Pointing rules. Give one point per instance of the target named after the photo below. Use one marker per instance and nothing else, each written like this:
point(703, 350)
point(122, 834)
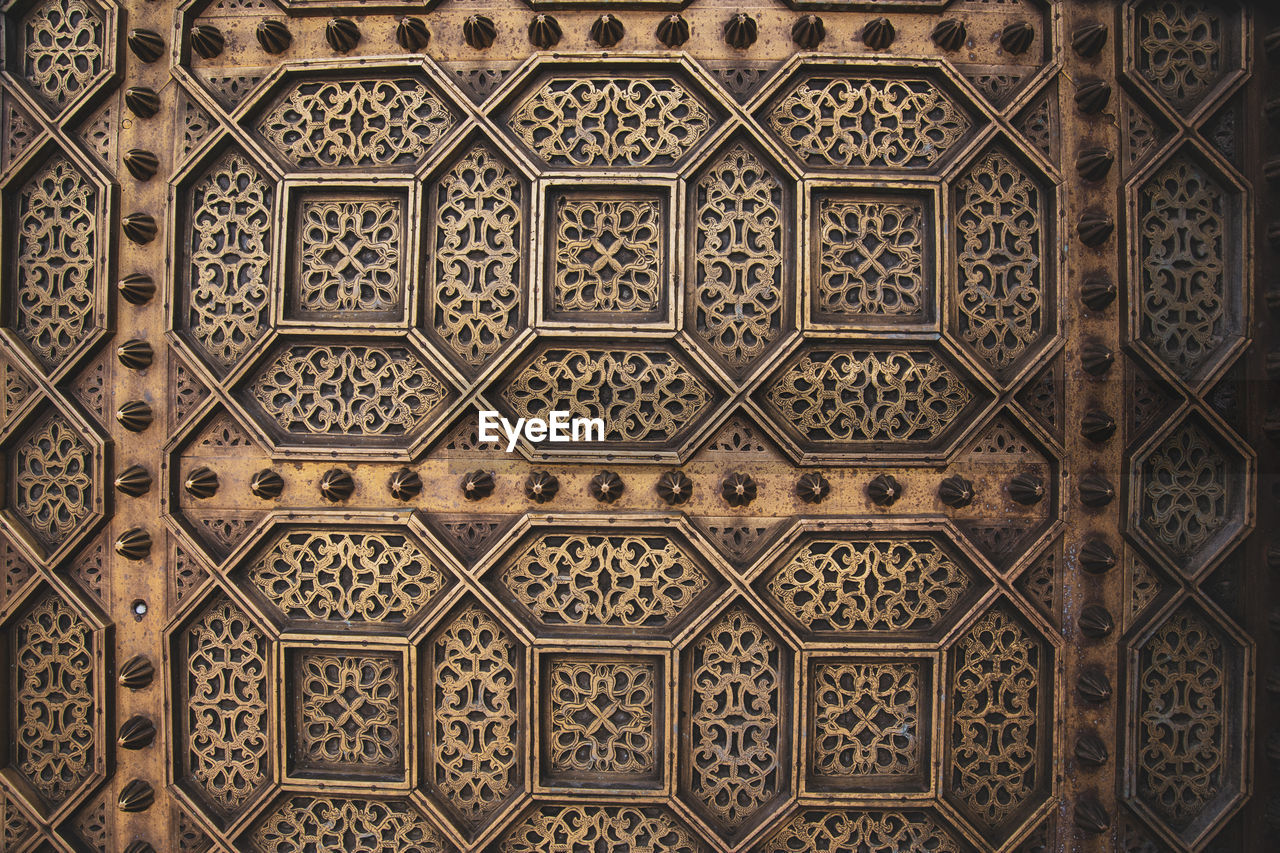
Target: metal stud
point(136, 796)
point(1091, 817)
point(878, 34)
point(1017, 38)
point(201, 483)
point(134, 481)
point(1097, 557)
point(1096, 621)
point(812, 488)
point(741, 31)
point(137, 732)
point(134, 415)
point(142, 164)
point(342, 34)
point(1094, 686)
point(1091, 750)
point(477, 485)
point(808, 32)
point(1092, 96)
point(884, 490)
point(140, 228)
point(337, 485)
point(147, 45)
point(541, 486)
point(135, 354)
point(1095, 227)
point(266, 484)
point(134, 544)
point(606, 487)
point(738, 489)
point(1096, 490)
point(674, 487)
point(1097, 426)
point(207, 40)
point(1088, 41)
point(1026, 489)
point(137, 288)
point(544, 32)
point(1098, 291)
point(950, 34)
point(673, 31)
point(405, 484)
point(1096, 358)
point(479, 31)
point(273, 36)
point(142, 101)
point(412, 34)
point(1093, 164)
point(137, 673)
point(956, 492)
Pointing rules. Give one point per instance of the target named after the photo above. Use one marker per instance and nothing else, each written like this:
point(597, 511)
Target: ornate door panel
point(920, 518)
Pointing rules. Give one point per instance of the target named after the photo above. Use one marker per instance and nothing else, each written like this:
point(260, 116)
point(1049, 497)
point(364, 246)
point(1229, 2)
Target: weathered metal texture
point(914, 327)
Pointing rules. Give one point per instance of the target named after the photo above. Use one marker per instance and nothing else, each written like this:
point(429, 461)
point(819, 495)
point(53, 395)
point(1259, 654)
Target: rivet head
point(738, 489)
point(541, 486)
point(607, 31)
point(808, 32)
point(142, 164)
point(673, 31)
point(1017, 38)
point(201, 483)
point(137, 289)
point(337, 485)
point(135, 354)
point(147, 45)
point(884, 490)
point(207, 40)
point(1026, 489)
point(412, 34)
point(1097, 557)
point(134, 544)
point(274, 36)
point(1097, 426)
point(1094, 686)
point(134, 481)
point(1093, 164)
point(1096, 358)
point(606, 487)
point(137, 732)
point(136, 796)
point(134, 415)
point(266, 484)
point(1091, 750)
point(674, 487)
point(140, 228)
point(1096, 621)
point(342, 34)
point(544, 32)
point(956, 492)
point(950, 34)
point(405, 484)
point(142, 101)
point(812, 488)
point(1091, 817)
point(1092, 96)
point(1098, 291)
point(878, 34)
point(740, 31)
point(137, 673)
point(1095, 228)
point(479, 31)
point(477, 485)
point(1087, 41)
point(1096, 490)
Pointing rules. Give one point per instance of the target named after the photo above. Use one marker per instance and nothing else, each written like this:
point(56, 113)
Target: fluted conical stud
point(342, 34)
point(137, 732)
point(738, 489)
point(1096, 358)
point(1095, 227)
point(412, 34)
point(1026, 489)
point(1097, 557)
point(135, 354)
point(607, 30)
point(740, 31)
point(141, 163)
point(673, 30)
point(1093, 164)
point(544, 32)
point(201, 483)
point(1094, 686)
point(1017, 38)
point(1091, 817)
point(1091, 750)
point(477, 485)
point(140, 228)
point(1096, 621)
point(606, 487)
point(884, 490)
point(405, 484)
point(1096, 490)
point(266, 484)
point(812, 488)
point(274, 36)
point(137, 673)
point(134, 544)
point(134, 481)
point(137, 289)
point(1092, 96)
point(1097, 292)
point(337, 485)
point(1097, 426)
point(956, 492)
point(950, 34)
point(147, 45)
point(541, 486)
point(808, 32)
point(878, 34)
point(139, 846)
point(134, 415)
point(142, 101)
point(207, 40)
point(674, 487)
point(1088, 41)
point(136, 796)
point(479, 31)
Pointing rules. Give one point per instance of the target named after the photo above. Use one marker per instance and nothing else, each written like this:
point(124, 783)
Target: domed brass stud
point(541, 486)
point(1092, 96)
point(606, 487)
point(673, 31)
point(1090, 816)
point(147, 45)
point(1098, 291)
point(1026, 489)
point(134, 415)
point(140, 228)
point(950, 34)
point(1097, 426)
point(479, 31)
point(337, 485)
point(201, 483)
point(956, 492)
point(137, 732)
point(1087, 41)
point(607, 31)
point(142, 164)
point(1096, 358)
point(812, 488)
point(405, 484)
point(878, 34)
point(342, 34)
point(740, 31)
point(273, 36)
point(477, 485)
point(412, 34)
point(134, 544)
point(1094, 686)
point(738, 489)
point(136, 796)
point(137, 288)
point(135, 354)
point(884, 490)
point(137, 673)
point(808, 32)
point(134, 481)
point(1017, 38)
point(1096, 621)
point(674, 487)
point(207, 40)
point(143, 102)
point(1094, 163)
point(1096, 490)
point(1091, 750)
point(544, 32)
point(1097, 557)
point(266, 484)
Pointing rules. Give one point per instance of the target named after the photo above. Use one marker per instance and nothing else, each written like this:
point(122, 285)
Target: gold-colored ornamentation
point(838, 396)
point(475, 751)
point(55, 245)
point(225, 703)
point(350, 710)
point(999, 246)
point(1182, 718)
point(62, 49)
point(1184, 486)
point(566, 829)
point(610, 122)
point(228, 290)
point(866, 719)
point(602, 716)
point(342, 578)
point(387, 391)
point(357, 123)
point(595, 580)
point(996, 732)
point(653, 396)
point(54, 719)
point(351, 255)
point(608, 256)
point(1182, 230)
point(868, 122)
point(736, 719)
point(479, 220)
point(814, 831)
point(871, 260)
point(15, 827)
point(738, 278)
point(52, 480)
point(301, 824)
point(1180, 50)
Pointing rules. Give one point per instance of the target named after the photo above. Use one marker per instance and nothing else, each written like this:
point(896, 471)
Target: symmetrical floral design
point(609, 256)
point(352, 259)
point(52, 480)
point(870, 261)
point(866, 720)
point(300, 824)
point(62, 49)
point(867, 831)
point(1180, 49)
point(602, 716)
point(638, 829)
point(350, 712)
point(1185, 491)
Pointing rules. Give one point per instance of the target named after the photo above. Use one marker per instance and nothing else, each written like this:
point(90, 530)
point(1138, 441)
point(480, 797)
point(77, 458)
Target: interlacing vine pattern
point(53, 703)
point(642, 395)
point(996, 733)
point(52, 480)
point(866, 831)
point(350, 711)
point(609, 256)
point(866, 720)
point(341, 578)
point(306, 824)
point(1182, 718)
point(1180, 50)
point(737, 697)
point(602, 716)
point(1182, 233)
point(1185, 491)
point(228, 290)
point(61, 49)
point(738, 275)
point(356, 123)
point(14, 825)
point(225, 701)
point(871, 260)
point(476, 272)
point(351, 255)
point(999, 246)
point(568, 829)
point(57, 238)
point(839, 122)
point(348, 390)
point(595, 580)
point(869, 585)
point(571, 122)
point(841, 396)
point(475, 750)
